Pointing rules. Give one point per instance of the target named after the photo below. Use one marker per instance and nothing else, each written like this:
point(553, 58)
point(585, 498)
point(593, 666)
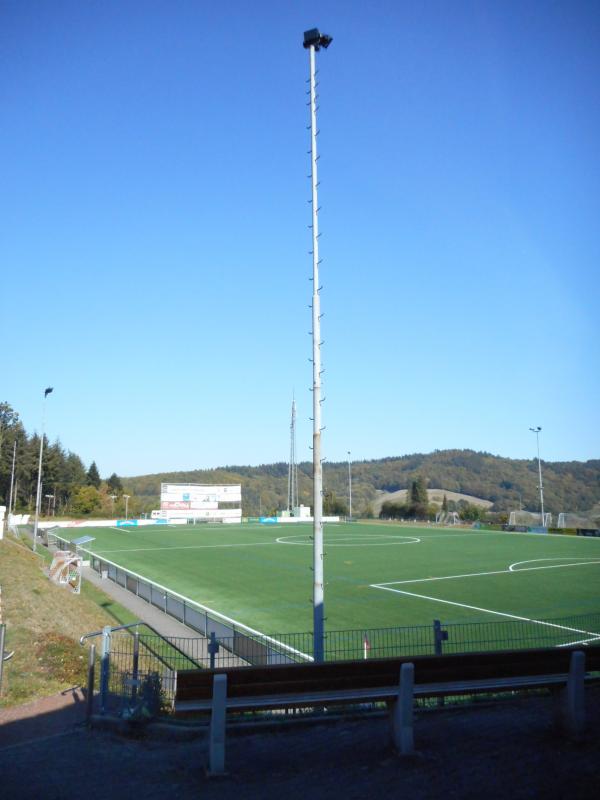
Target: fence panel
point(195, 619)
point(239, 644)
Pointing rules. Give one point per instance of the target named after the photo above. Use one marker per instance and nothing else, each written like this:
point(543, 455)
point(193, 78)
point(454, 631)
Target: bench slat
point(373, 673)
point(373, 694)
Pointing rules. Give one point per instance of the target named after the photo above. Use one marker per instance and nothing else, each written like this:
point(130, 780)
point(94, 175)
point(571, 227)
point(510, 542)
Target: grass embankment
point(43, 625)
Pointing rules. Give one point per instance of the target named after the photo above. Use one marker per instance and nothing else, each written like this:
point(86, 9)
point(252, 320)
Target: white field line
point(348, 541)
point(580, 641)
point(183, 547)
point(494, 572)
point(158, 529)
point(426, 536)
point(199, 605)
point(486, 610)
point(555, 558)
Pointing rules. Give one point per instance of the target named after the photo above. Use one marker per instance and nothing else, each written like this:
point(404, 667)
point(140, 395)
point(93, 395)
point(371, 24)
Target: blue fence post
point(439, 636)
point(135, 670)
point(104, 668)
point(90, 682)
point(213, 648)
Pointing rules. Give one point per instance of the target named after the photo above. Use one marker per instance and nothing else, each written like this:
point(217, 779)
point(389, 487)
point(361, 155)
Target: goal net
point(530, 519)
point(568, 520)
point(447, 518)
point(65, 569)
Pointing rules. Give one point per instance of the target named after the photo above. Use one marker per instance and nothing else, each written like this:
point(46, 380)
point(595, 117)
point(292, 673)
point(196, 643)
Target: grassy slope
point(43, 626)
point(568, 486)
point(243, 573)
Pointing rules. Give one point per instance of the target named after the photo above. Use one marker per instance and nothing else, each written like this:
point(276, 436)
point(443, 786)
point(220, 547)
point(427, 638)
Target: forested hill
point(572, 486)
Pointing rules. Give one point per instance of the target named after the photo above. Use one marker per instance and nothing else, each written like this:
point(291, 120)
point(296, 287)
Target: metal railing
point(241, 641)
point(240, 644)
point(138, 666)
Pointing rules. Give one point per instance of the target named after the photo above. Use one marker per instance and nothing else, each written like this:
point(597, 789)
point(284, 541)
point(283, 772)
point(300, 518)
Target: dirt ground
point(508, 750)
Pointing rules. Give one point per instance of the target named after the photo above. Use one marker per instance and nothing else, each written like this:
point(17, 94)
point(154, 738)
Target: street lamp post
point(38, 496)
point(313, 41)
point(349, 486)
point(12, 480)
point(113, 497)
point(126, 498)
point(537, 430)
point(49, 498)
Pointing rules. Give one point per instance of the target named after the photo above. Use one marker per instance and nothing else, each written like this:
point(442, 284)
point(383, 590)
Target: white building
point(200, 502)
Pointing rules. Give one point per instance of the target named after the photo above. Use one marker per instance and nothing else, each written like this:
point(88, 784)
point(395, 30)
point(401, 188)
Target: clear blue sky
point(154, 241)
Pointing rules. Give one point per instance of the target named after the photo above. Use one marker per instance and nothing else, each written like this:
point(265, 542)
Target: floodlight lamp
point(314, 38)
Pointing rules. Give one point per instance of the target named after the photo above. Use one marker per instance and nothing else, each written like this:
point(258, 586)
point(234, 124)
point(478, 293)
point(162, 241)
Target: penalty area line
point(485, 610)
point(509, 571)
point(580, 641)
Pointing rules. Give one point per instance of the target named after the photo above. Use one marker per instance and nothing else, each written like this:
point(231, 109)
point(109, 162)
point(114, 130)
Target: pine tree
point(93, 476)
point(114, 483)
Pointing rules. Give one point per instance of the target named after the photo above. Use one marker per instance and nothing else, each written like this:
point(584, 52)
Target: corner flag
point(366, 646)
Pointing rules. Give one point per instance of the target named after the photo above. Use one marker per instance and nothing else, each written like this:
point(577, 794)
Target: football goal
point(568, 520)
point(530, 519)
point(66, 569)
point(447, 518)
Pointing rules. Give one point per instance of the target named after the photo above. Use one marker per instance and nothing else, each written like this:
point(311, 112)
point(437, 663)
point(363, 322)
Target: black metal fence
point(137, 667)
point(240, 644)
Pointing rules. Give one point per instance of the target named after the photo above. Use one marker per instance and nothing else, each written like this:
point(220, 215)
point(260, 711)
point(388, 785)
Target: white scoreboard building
point(196, 502)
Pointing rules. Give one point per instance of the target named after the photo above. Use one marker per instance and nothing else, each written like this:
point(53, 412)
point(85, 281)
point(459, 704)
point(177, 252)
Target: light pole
point(313, 41)
point(38, 496)
point(113, 497)
point(12, 480)
point(126, 498)
point(349, 486)
point(537, 430)
point(48, 497)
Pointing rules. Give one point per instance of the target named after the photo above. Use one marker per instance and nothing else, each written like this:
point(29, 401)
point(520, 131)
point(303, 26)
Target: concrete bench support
point(216, 736)
point(402, 712)
point(574, 712)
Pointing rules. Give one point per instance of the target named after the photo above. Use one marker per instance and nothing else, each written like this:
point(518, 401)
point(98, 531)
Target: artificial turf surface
point(377, 575)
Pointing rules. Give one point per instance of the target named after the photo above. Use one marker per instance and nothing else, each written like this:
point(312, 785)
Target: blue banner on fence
point(121, 523)
point(268, 520)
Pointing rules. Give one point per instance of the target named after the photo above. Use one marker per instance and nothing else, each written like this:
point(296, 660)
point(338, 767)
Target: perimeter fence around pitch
point(137, 667)
point(139, 657)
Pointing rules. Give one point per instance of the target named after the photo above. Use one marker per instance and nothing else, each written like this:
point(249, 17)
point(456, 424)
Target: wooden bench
point(396, 681)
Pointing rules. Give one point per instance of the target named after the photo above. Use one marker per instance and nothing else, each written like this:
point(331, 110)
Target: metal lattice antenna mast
point(293, 468)
point(313, 41)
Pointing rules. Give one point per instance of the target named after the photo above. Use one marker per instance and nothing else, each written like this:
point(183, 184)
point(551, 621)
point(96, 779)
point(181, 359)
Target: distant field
point(434, 495)
point(377, 575)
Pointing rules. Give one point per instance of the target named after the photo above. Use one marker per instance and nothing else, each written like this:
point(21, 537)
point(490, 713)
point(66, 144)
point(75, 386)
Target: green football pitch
point(377, 575)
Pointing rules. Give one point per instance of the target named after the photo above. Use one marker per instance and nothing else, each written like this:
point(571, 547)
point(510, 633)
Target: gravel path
point(509, 750)
point(164, 624)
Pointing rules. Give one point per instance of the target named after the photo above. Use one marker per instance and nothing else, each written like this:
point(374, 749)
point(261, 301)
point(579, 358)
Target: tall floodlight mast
point(293, 468)
point(537, 430)
point(349, 486)
point(313, 41)
point(12, 479)
point(38, 496)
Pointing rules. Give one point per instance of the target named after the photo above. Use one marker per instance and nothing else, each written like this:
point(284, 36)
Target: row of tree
point(507, 483)
point(67, 486)
point(418, 507)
